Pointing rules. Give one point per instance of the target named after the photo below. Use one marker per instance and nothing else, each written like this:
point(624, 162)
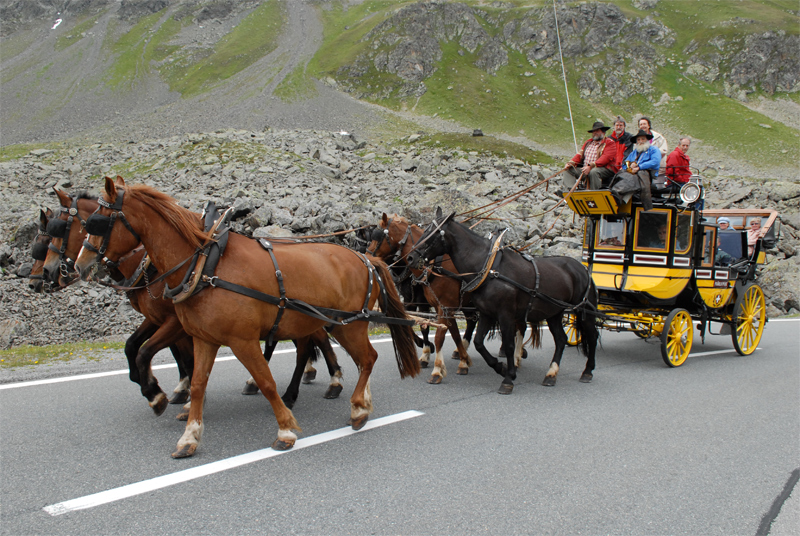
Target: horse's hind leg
point(304, 350)
point(588, 345)
point(426, 346)
point(355, 339)
point(560, 338)
point(468, 331)
point(464, 360)
point(439, 368)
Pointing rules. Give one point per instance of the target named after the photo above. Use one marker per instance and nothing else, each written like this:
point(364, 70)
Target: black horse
point(505, 287)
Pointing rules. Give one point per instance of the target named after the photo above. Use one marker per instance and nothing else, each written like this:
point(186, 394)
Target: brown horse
point(324, 275)
point(442, 293)
point(39, 248)
point(161, 328)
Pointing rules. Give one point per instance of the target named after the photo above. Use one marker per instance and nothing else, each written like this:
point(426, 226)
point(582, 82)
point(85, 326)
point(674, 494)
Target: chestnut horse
point(39, 248)
point(161, 328)
point(324, 275)
point(395, 237)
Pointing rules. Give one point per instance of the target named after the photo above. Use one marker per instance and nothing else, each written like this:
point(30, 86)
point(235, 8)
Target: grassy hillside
point(530, 100)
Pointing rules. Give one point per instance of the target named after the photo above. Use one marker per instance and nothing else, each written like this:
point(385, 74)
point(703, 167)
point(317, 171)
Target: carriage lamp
point(690, 192)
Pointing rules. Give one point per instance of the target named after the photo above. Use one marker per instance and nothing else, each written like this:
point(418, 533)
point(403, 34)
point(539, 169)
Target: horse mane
point(182, 220)
point(85, 194)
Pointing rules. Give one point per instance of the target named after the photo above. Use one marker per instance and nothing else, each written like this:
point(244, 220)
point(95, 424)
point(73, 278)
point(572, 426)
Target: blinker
point(97, 224)
point(57, 228)
point(39, 251)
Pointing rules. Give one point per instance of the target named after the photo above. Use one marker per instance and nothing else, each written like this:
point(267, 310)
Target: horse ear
point(48, 213)
point(438, 213)
point(43, 217)
point(111, 190)
point(449, 217)
point(63, 197)
point(385, 218)
point(120, 181)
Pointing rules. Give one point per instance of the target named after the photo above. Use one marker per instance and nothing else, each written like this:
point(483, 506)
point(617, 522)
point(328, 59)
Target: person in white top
point(658, 140)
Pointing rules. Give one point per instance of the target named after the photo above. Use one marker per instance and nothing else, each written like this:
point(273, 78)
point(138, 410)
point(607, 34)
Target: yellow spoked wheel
point(676, 338)
point(571, 329)
point(749, 317)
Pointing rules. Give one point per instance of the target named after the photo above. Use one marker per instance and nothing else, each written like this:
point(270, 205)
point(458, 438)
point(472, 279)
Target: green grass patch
point(25, 355)
point(296, 86)
point(255, 37)
point(488, 145)
point(131, 61)
point(76, 33)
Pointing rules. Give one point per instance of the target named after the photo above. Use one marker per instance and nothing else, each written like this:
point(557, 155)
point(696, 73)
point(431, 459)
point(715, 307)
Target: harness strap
point(282, 300)
point(478, 281)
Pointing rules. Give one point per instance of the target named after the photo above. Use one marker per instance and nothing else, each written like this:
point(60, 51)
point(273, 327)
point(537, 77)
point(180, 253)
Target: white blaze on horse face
point(518, 347)
point(80, 253)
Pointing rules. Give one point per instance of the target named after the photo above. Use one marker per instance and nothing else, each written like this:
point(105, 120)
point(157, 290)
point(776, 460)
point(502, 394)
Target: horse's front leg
point(484, 323)
point(183, 352)
point(468, 331)
point(250, 387)
point(204, 354)
point(354, 338)
point(464, 360)
point(322, 341)
point(166, 335)
point(560, 338)
point(509, 334)
point(439, 368)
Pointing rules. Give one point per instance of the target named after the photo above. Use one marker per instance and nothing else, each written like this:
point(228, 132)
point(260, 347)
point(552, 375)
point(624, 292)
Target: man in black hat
point(595, 160)
point(640, 166)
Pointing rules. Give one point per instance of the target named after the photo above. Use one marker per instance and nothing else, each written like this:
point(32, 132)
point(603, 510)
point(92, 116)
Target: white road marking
point(138, 488)
point(125, 371)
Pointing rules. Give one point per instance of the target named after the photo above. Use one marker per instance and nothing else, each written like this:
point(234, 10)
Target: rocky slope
point(295, 182)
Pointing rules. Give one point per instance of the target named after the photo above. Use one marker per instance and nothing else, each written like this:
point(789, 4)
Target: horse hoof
point(185, 452)
point(250, 389)
point(524, 354)
point(160, 406)
point(333, 392)
point(183, 416)
point(505, 388)
point(359, 423)
point(180, 397)
point(549, 381)
point(462, 371)
point(309, 376)
point(586, 378)
point(279, 444)
point(423, 364)
point(435, 380)
point(455, 355)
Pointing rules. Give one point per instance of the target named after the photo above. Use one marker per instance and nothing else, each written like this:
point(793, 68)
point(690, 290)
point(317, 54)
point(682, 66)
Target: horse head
point(39, 248)
point(432, 242)
point(389, 236)
point(66, 230)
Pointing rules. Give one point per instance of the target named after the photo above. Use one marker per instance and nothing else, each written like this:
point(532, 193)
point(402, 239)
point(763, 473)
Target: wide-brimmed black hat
point(642, 133)
point(600, 125)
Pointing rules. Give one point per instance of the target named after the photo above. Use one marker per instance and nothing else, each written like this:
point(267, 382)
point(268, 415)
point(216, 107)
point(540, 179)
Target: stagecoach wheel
point(676, 338)
point(749, 317)
point(571, 329)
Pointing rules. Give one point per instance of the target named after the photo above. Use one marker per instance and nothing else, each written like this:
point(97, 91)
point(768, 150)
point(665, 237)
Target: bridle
point(60, 228)
point(397, 248)
point(101, 225)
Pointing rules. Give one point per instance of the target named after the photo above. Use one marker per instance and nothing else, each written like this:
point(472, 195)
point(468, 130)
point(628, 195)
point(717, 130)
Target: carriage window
point(610, 233)
point(709, 245)
point(652, 230)
point(683, 234)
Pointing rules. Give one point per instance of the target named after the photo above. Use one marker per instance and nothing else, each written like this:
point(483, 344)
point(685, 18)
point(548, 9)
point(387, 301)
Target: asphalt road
point(706, 448)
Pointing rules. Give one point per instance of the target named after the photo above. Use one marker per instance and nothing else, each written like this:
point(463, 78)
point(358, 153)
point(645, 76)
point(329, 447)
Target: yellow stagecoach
point(660, 271)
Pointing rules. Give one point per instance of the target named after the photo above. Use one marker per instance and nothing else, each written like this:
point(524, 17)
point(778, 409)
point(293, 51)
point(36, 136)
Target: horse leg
point(166, 334)
point(589, 336)
point(309, 373)
point(304, 351)
point(560, 338)
point(439, 368)
point(519, 344)
point(132, 345)
point(480, 335)
point(204, 354)
point(323, 342)
point(183, 351)
point(249, 354)
point(354, 338)
point(509, 334)
point(426, 345)
point(464, 360)
point(471, 322)
point(250, 387)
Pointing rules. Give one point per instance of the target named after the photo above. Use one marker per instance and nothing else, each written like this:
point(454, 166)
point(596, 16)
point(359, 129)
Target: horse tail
point(586, 320)
point(536, 335)
point(405, 351)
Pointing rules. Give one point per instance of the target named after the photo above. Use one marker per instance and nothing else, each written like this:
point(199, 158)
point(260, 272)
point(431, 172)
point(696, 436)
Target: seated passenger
point(724, 223)
point(595, 159)
point(623, 140)
point(753, 234)
point(657, 139)
point(640, 166)
point(678, 172)
point(659, 241)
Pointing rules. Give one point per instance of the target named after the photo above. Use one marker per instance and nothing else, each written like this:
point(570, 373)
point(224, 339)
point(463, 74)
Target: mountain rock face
point(617, 55)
